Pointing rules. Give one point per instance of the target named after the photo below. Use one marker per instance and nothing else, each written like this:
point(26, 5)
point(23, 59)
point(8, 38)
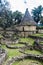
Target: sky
point(21, 6)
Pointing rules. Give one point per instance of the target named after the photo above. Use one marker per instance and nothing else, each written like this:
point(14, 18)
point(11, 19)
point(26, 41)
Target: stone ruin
point(3, 53)
point(38, 46)
point(3, 56)
point(24, 56)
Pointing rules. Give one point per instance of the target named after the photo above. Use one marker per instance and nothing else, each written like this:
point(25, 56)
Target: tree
point(5, 15)
point(37, 13)
point(41, 21)
point(17, 16)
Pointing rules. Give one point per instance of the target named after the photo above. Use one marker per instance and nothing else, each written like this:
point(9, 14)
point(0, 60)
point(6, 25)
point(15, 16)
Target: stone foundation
point(3, 56)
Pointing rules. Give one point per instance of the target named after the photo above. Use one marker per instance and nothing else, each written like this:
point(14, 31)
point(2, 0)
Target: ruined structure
point(27, 25)
point(3, 56)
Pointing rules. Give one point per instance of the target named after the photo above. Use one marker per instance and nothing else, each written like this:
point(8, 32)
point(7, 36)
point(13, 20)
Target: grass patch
point(18, 45)
point(11, 52)
point(30, 41)
point(41, 42)
point(15, 52)
point(33, 52)
point(27, 62)
point(38, 35)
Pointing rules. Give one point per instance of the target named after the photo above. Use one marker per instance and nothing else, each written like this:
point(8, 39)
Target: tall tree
point(37, 13)
point(5, 14)
point(17, 16)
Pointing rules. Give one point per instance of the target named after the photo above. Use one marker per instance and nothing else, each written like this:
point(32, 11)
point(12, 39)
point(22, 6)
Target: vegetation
point(30, 41)
point(37, 14)
point(17, 16)
point(41, 42)
point(18, 45)
point(41, 20)
point(15, 52)
point(33, 52)
point(5, 15)
point(39, 27)
point(8, 19)
point(11, 52)
point(27, 62)
point(38, 35)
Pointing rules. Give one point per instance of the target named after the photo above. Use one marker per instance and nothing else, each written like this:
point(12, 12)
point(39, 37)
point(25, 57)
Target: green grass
point(18, 45)
point(39, 35)
point(33, 52)
point(15, 52)
point(30, 41)
point(41, 42)
point(11, 52)
point(27, 62)
point(1, 36)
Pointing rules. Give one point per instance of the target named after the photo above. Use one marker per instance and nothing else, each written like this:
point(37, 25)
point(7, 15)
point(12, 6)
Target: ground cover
point(41, 42)
point(15, 52)
point(27, 62)
point(18, 45)
point(30, 41)
point(38, 35)
point(11, 52)
point(35, 52)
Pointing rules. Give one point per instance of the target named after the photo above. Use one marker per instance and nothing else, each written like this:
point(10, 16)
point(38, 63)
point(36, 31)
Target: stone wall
point(29, 28)
point(24, 56)
point(38, 46)
point(20, 30)
point(40, 31)
point(26, 28)
point(3, 57)
point(36, 37)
